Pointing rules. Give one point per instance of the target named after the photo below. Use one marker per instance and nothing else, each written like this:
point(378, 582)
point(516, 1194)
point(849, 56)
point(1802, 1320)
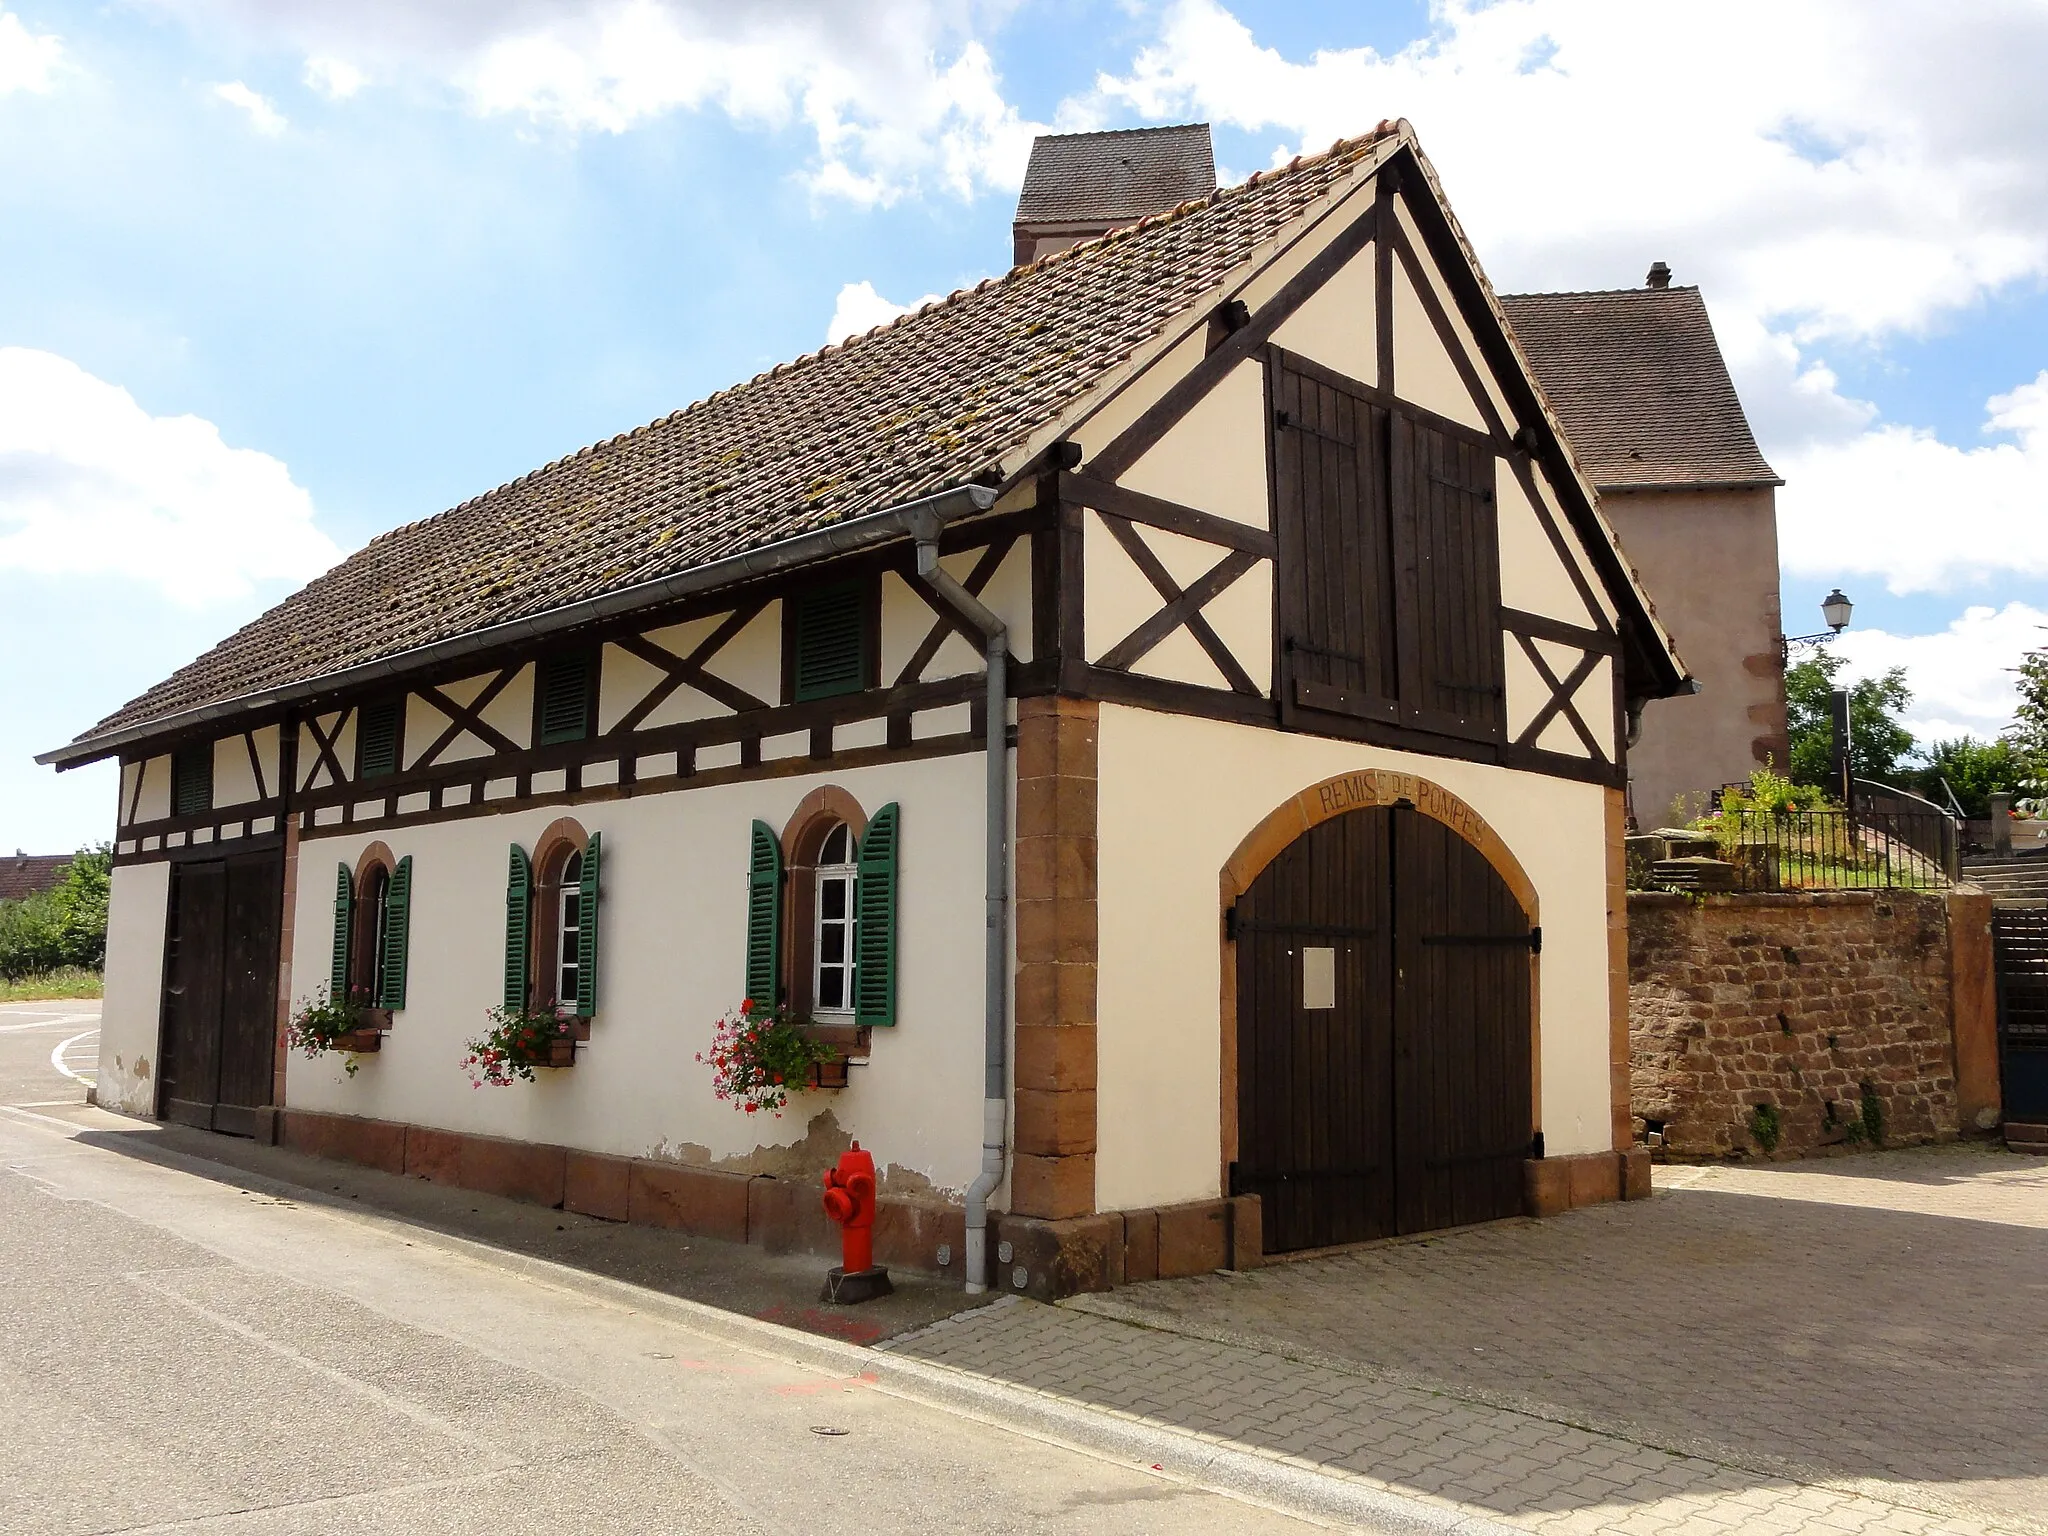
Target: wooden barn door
point(1316, 1037)
point(1383, 1051)
point(1462, 1068)
point(220, 993)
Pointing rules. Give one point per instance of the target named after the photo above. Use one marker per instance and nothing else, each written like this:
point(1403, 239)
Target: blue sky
point(278, 274)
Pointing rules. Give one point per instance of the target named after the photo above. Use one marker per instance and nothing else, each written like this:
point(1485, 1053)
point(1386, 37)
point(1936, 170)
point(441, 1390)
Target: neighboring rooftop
point(1638, 380)
point(1079, 185)
point(929, 401)
point(1123, 174)
point(25, 874)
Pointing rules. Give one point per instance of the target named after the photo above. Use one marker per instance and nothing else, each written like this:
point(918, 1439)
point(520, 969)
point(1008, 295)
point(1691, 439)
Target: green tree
point(1878, 742)
point(2029, 733)
point(65, 925)
point(1975, 770)
point(82, 898)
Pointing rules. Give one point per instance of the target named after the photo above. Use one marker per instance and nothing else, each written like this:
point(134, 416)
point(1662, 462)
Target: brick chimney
point(1080, 185)
point(1660, 275)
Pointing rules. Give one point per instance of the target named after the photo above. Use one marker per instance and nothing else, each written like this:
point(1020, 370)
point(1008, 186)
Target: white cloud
point(861, 309)
point(898, 95)
point(1898, 503)
point(336, 79)
point(263, 116)
point(1855, 166)
point(93, 485)
point(28, 60)
point(1961, 677)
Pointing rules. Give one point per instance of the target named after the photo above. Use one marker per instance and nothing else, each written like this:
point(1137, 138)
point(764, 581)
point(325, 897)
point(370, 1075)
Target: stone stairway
point(2009, 880)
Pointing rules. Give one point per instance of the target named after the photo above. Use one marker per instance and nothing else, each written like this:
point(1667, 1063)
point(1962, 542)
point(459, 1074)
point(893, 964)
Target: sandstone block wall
point(1805, 1003)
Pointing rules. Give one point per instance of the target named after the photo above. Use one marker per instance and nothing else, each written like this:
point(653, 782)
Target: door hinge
point(1282, 420)
point(1536, 1146)
point(1536, 940)
point(1233, 1180)
point(1230, 932)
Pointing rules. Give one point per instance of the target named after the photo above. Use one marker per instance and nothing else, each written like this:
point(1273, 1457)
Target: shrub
point(756, 1062)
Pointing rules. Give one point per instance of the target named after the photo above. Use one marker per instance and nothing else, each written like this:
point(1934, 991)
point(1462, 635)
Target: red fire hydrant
point(850, 1201)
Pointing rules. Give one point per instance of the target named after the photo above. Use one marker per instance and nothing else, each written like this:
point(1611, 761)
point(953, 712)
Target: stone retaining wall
point(1835, 1012)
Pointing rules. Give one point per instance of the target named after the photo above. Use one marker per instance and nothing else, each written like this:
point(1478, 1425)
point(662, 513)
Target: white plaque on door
point(1319, 978)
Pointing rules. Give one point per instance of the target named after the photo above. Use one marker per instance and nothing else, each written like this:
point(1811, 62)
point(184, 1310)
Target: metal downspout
point(995, 1019)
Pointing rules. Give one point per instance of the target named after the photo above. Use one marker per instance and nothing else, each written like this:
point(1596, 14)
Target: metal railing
point(1870, 848)
point(1934, 832)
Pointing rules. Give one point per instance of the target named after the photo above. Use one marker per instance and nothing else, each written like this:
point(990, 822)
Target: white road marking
point(57, 1057)
point(54, 1021)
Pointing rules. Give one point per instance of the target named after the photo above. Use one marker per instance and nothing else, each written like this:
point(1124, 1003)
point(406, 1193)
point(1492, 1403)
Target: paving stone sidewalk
point(1849, 1345)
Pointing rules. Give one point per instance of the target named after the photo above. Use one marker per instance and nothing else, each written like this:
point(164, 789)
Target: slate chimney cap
point(1660, 275)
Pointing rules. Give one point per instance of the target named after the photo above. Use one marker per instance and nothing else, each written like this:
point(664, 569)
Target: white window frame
point(568, 930)
point(842, 871)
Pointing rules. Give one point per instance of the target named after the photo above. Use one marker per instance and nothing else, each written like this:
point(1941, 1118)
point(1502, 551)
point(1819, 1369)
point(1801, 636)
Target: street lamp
point(1835, 610)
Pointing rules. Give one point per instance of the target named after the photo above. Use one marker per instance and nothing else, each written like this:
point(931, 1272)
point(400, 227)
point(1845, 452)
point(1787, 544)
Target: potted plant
point(519, 1040)
point(333, 1024)
point(758, 1061)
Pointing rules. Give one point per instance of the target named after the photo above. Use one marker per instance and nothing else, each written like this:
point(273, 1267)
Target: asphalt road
point(187, 1348)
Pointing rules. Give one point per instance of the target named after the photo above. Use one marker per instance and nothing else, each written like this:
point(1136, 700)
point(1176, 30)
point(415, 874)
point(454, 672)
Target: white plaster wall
point(234, 781)
point(907, 618)
point(155, 803)
point(1338, 325)
point(1452, 312)
point(134, 988)
point(1214, 458)
point(1176, 796)
point(1532, 577)
point(510, 713)
point(1423, 370)
point(672, 940)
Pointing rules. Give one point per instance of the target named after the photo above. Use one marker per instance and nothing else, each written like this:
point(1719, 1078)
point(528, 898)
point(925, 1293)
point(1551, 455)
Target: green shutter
point(192, 780)
point(874, 982)
point(831, 642)
point(397, 922)
point(518, 926)
point(565, 698)
point(764, 919)
point(344, 922)
point(586, 931)
point(377, 732)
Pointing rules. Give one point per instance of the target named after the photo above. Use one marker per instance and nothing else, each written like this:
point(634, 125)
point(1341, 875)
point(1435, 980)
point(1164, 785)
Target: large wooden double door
point(1383, 1034)
point(220, 993)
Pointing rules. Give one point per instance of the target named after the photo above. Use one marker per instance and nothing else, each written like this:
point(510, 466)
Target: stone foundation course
point(1767, 1025)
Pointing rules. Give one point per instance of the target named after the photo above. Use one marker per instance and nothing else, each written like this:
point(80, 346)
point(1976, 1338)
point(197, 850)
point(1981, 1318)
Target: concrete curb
point(1288, 1484)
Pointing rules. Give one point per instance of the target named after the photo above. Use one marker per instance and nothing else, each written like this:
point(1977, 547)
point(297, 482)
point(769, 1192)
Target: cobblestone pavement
point(1856, 1344)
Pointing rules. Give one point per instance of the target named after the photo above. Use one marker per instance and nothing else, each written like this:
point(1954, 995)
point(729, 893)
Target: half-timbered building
point(1213, 612)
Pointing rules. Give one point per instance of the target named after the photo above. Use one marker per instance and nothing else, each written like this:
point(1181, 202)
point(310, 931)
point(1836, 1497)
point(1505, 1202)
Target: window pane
point(832, 944)
point(832, 989)
point(832, 900)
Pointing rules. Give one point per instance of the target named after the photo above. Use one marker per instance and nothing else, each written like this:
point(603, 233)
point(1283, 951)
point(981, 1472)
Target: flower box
point(358, 1042)
point(562, 1049)
point(826, 1075)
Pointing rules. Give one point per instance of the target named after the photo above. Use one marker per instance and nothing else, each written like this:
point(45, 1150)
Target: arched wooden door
point(1383, 1034)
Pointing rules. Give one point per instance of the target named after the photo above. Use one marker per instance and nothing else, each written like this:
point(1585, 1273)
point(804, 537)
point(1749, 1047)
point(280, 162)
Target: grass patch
point(65, 982)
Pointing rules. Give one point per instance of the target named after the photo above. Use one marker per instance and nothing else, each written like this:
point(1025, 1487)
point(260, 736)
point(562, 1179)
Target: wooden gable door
point(220, 992)
point(1389, 563)
point(1384, 1060)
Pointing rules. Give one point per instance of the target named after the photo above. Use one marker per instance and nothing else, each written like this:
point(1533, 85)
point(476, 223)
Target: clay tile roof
point(1638, 380)
point(24, 874)
point(924, 403)
point(1085, 178)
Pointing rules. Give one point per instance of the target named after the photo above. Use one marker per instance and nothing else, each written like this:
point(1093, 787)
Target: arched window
point(568, 930)
point(551, 922)
point(835, 932)
point(372, 907)
point(373, 931)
